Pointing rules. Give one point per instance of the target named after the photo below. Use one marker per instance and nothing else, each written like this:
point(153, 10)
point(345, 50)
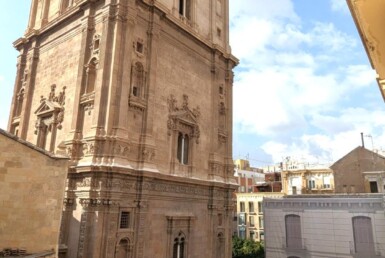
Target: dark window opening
point(184, 8)
point(181, 7)
point(183, 148)
point(220, 90)
point(124, 219)
point(242, 206)
point(135, 91)
point(373, 187)
point(139, 47)
point(219, 32)
point(178, 247)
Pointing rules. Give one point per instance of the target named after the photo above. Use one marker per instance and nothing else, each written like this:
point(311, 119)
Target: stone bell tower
point(139, 94)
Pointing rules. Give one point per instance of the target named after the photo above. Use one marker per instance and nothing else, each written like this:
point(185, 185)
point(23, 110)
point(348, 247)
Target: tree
point(246, 248)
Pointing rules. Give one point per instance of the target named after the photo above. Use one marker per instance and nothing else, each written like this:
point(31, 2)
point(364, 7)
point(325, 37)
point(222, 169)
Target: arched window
point(123, 249)
point(220, 252)
point(90, 76)
point(183, 148)
point(137, 80)
point(293, 231)
point(363, 235)
point(179, 246)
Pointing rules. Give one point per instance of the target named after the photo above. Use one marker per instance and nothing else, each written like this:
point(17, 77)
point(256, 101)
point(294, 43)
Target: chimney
point(362, 140)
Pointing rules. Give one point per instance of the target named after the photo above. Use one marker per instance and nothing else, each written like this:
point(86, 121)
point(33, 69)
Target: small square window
point(124, 219)
point(139, 47)
point(219, 32)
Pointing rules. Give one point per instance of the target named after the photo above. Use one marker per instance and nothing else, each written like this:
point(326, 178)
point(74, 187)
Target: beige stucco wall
point(326, 225)
point(31, 196)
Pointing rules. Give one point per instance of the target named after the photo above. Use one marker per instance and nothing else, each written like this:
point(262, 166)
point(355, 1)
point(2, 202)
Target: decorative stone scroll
point(90, 148)
point(148, 154)
point(122, 149)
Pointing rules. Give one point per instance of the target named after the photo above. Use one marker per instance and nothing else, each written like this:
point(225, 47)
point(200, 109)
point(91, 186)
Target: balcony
point(294, 244)
point(368, 250)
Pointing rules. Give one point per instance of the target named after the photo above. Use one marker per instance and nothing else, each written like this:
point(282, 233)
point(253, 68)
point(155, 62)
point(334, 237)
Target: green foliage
point(247, 248)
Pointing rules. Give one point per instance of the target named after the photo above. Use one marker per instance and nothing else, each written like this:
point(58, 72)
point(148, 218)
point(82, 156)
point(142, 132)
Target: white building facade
point(325, 226)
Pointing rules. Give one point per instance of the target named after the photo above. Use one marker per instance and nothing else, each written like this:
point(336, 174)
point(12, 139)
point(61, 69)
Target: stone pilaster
point(147, 144)
point(33, 59)
point(32, 16)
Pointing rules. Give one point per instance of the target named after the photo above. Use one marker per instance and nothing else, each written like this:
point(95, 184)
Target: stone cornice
point(151, 175)
point(353, 203)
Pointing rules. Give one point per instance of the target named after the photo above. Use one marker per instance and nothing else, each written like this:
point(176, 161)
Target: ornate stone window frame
point(137, 96)
point(182, 124)
point(50, 115)
point(178, 232)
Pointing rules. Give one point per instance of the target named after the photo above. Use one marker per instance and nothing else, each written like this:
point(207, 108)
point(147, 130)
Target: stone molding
point(96, 202)
point(355, 204)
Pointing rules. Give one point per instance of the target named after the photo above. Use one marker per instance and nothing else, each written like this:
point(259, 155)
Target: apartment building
point(305, 178)
point(250, 214)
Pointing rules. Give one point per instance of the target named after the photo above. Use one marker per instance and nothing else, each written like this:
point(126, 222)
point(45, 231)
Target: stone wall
point(348, 171)
point(32, 184)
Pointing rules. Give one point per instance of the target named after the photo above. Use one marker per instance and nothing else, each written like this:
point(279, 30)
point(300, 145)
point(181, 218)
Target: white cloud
point(358, 76)
point(293, 83)
point(329, 38)
point(325, 149)
point(272, 9)
point(339, 6)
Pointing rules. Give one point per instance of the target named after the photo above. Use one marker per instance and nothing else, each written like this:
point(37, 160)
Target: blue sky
point(303, 88)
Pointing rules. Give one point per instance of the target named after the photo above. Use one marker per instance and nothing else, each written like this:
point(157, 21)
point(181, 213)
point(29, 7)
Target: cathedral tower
point(139, 95)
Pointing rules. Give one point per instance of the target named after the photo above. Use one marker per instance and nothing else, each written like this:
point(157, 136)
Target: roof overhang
point(368, 16)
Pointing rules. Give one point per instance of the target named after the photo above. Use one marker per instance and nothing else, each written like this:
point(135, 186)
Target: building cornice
point(353, 203)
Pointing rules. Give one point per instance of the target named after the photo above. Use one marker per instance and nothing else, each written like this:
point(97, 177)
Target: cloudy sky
point(303, 88)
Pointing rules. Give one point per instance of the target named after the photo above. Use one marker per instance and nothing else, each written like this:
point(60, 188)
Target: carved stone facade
point(139, 95)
